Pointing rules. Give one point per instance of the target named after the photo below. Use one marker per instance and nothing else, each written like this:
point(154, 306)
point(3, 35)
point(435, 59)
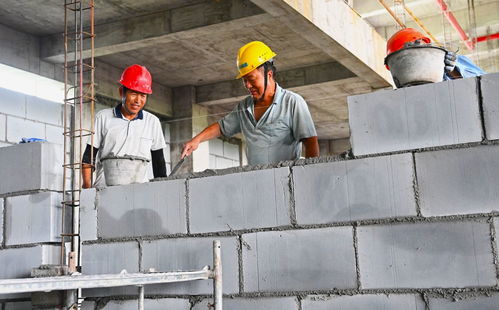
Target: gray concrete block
point(191, 254)
point(12, 102)
point(18, 128)
point(149, 304)
point(231, 151)
point(43, 110)
point(155, 208)
point(415, 117)
point(360, 302)
point(110, 258)
point(34, 218)
point(216, 147)
point(300, 260)
point(459, 181)
point(277, 303)
point(18, 305)
point(3, 127)
point(426, 255)
point(18, 262)
point(53, 134)
point(490, 98)
point(241, 200)
point(88, 215)
point(481, 302)
point(378, 187)
point(30, 166)
point(1, 220)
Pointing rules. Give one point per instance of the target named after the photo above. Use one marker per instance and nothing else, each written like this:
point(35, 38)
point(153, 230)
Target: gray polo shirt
point(277, 134)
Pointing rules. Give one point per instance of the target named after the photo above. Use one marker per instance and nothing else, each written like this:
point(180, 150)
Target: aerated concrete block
point(240, 201)
point(34, 218)
point(191, 254)
point(43, 110)
point(18, 128)
point(53, 134)
point(18, 262)
point(216, 147)
point(1, 219)
point(88, 215)
point(300, 260)
point(415, 117)
point(378, 187)
point(110, 258)
point(477, 302)
point(3, 127)
point(490, 100)
point(277, 303)
point(12, 102)
point(147, 209)
point(31, 166)
point(360, 302)
point(426, 255)
point(88, 305)
point(149, 304)
point(459, 181)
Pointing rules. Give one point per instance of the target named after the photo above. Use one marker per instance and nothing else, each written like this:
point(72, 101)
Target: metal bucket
point(121, 170)
point(418, 64)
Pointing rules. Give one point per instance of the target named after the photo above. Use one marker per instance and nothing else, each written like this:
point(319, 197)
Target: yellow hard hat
point(251, 56)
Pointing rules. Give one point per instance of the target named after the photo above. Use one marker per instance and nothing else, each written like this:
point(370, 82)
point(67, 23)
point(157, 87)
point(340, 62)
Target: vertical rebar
point(217, 275)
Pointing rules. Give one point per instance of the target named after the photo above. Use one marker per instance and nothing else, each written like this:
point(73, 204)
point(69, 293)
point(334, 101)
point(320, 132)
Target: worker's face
point(134, 101)
point(255, 82)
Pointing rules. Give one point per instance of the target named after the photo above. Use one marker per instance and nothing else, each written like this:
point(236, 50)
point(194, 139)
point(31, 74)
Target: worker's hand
point(450, 61)
point(189, 147)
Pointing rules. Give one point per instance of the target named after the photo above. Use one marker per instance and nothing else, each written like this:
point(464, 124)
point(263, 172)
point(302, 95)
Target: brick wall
point(400, 225)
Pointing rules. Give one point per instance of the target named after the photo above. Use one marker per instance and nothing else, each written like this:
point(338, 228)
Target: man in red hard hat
point(127, 130)
point(456, 66)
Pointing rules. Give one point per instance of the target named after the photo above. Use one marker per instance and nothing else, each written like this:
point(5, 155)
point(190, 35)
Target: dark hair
point(269, 66)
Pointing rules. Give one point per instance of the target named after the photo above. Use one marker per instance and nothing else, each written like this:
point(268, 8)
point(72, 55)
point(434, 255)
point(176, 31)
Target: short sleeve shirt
point(277, 134)
point(118, 136)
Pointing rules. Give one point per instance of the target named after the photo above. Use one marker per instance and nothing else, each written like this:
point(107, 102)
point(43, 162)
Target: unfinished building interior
point(400, 210)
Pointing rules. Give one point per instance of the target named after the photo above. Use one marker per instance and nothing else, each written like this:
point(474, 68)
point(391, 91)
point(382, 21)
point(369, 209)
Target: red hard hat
point(137, 78)
point(402, 37)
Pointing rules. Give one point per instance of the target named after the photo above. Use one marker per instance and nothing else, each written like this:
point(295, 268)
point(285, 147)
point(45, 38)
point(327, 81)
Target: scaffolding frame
point(79, 281)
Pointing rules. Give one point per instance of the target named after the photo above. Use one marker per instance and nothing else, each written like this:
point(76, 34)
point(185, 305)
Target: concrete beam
point(158, 28)
point(339, 31)
point(233, 90)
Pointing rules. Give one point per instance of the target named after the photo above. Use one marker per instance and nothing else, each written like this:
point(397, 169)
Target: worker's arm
point(211, 132)
point(311, 147)
point(158, 163)
point(88, 162)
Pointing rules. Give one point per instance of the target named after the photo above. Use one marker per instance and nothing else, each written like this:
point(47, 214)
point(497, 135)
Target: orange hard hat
point(400, 38)
point(137, 78)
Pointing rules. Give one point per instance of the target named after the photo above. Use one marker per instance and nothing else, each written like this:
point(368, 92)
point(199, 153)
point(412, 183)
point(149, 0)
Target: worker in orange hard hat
point(455, 66)
point(274, 121)
point(127, 130)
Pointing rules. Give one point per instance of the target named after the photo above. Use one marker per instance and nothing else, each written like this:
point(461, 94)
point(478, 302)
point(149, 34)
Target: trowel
point(177, 166)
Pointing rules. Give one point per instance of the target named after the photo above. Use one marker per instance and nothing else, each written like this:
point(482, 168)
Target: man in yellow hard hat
point(274, 121)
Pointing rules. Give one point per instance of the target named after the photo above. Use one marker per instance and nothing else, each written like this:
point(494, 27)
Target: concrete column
point(181, 126)
point(201, 158)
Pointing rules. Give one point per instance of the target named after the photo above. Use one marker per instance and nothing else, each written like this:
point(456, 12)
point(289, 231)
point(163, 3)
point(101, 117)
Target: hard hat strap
point(265, 72)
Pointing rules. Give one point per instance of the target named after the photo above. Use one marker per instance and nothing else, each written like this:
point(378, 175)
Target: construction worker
point(127, 129)
point(274, 121)
point(456, 66)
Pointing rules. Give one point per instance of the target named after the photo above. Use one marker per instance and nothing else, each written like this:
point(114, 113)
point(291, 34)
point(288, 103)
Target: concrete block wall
point(24, 116)
point(407, 228)
point(223, 154)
